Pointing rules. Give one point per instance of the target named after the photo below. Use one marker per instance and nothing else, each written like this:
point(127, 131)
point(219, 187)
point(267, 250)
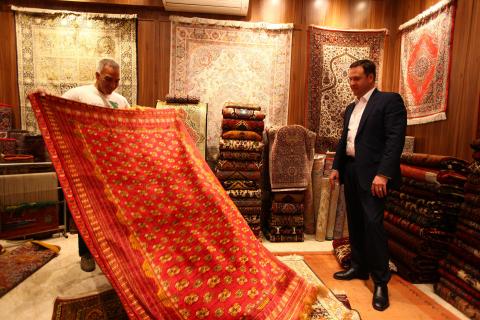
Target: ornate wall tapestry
point(222, 61)
point(330, 53)
point(196, 119)
point(59, 50)
point(425, 63)
point(158, 222)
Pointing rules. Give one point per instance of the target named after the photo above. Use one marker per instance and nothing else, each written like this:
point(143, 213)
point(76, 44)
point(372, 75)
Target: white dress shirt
point(354, 122)
point(91, 95)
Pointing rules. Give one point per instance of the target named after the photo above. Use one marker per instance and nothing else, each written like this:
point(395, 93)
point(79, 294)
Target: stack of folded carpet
point(459, 282)
point(6, 119)
point(20, 137)
point(22, 146)
point(7, 145)
point(291, 152)
point(239, 167)
point(420, 216)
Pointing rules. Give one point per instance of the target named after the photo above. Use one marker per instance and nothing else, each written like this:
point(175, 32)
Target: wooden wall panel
point(444, 137)
point(8, 62)
point(163, 56)
point(298, 78)
point(147, 61)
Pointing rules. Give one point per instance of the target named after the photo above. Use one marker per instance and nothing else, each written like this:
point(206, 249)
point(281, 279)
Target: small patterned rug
point(104, 305)
point(20, 263)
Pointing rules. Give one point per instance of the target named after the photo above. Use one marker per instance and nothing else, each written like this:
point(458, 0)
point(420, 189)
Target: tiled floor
point(34, 297)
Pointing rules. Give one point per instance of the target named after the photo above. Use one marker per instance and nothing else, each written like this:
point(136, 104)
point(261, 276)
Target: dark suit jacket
point(379, 140)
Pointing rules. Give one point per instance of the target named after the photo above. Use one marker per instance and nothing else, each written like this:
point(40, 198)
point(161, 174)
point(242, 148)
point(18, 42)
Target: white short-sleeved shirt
point(89, 94)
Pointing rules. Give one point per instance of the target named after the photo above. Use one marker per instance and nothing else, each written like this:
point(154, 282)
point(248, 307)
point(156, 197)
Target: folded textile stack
point(421, 215)
point(286, 220)
point(459, 282)
point(290, 159)
point(6, 119)
point(240, 163)
point(19, 136)
point(7, 145)
point(22, 146)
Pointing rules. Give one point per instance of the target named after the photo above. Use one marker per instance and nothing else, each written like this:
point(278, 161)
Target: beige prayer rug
point(222, 61)
point(328, 307)
point(59, 50)
point(425, 58)
point(330, 53)
point(196, 120)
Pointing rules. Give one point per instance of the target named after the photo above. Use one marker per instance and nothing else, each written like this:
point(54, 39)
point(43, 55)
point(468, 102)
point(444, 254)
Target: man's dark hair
point(367, 65)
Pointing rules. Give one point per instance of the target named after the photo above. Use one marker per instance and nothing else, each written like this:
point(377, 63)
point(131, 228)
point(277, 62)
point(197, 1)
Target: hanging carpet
point(222, 61)
point(330, 53)
point(59, 50)
point(425, 58)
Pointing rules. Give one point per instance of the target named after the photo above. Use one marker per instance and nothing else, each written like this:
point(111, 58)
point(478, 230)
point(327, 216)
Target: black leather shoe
point(380, 298)
point(350, 274)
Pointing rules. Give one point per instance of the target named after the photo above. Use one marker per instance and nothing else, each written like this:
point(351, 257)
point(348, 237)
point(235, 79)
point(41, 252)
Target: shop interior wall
point(449, 137)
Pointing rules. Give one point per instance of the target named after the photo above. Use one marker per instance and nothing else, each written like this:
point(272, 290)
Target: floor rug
point(221, 61)
point(406, 301)
point(59, 50)
point(158, 222)
point(330, 53)
point(21, 262)
point(425, 58)
point(107, 305)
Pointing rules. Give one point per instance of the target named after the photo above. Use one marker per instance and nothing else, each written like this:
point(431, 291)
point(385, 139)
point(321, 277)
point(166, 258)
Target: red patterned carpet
point(158, 222)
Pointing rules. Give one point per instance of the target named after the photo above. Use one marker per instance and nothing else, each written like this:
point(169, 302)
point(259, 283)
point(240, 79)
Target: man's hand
point(334, 177)
point(379, 186)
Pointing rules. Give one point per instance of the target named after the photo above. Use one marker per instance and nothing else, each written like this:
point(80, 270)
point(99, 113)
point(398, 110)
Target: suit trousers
point(82, 247)
point(368, 240)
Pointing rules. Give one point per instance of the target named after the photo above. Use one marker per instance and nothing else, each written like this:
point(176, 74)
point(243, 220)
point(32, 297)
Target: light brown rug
point(406, 301)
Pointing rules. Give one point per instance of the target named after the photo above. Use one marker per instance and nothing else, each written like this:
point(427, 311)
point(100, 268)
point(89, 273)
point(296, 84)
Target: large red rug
point(158, 222)
point(425, 60)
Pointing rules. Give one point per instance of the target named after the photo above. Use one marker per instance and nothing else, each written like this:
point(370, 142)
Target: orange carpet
point(406, 301)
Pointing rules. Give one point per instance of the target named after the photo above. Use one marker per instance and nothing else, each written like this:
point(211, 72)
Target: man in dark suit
point(367, 161)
